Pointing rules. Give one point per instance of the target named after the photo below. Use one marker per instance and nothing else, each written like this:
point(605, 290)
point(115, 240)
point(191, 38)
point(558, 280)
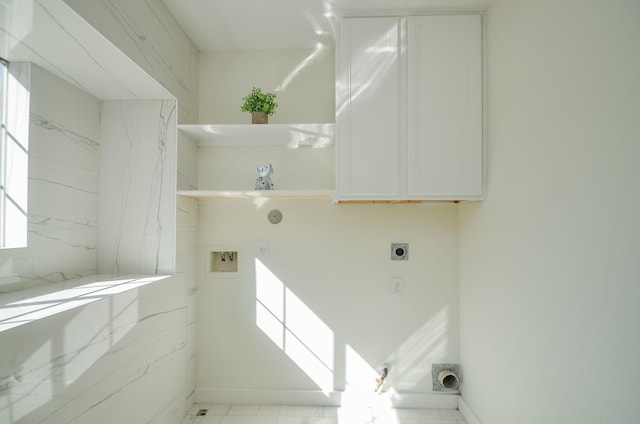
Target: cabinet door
point(445, 106)
point(367, 106)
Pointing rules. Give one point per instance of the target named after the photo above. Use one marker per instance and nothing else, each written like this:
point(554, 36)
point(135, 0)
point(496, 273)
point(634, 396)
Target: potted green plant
point(260, 104)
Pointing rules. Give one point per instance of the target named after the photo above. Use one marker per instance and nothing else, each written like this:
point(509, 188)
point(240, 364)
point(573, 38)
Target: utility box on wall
point(222, 262)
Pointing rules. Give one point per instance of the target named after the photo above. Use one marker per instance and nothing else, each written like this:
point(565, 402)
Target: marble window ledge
point(25, 306)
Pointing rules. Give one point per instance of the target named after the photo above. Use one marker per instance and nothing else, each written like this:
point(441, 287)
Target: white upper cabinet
point(409, 112)
point(445, 106)
point(367, 116)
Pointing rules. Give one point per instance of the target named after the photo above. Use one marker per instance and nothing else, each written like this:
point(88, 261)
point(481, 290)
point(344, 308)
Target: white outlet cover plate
point(262, 249)
point(397, 286)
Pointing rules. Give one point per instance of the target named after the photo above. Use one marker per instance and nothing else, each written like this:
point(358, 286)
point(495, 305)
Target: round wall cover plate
point(275, 216)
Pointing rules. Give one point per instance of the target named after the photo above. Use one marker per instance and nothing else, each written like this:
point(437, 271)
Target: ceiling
point(288, 24)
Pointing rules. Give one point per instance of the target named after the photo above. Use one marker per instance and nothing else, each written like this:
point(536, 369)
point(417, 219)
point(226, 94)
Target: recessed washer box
point(222, 261)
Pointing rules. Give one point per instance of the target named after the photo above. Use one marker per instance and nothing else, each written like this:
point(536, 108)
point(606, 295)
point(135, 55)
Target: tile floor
point(289, 414)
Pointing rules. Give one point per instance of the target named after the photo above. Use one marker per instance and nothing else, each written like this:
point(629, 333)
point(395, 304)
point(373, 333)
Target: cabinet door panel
point(445, 106)
point(367, 109)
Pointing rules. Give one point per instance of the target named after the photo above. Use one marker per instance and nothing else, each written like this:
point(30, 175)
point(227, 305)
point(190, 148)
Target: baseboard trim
point(285, 397)
point(466, 412)
point(311, 397)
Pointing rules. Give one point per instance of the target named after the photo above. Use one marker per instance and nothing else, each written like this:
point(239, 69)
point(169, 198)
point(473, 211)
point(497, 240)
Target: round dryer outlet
point(275, 216)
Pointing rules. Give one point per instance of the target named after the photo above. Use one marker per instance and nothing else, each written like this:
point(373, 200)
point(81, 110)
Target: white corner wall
point(316, 313)
point(302, 79)
point(549, 262)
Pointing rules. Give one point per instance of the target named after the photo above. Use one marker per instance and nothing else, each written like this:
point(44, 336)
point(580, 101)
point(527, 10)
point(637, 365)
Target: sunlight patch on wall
point(67, 352)
point(374, 62)
point(306, 62)
point(35, 388)
point(429, 344)
point(294, 328)
point(359, 374)
point(17, 313)
point(94, 331)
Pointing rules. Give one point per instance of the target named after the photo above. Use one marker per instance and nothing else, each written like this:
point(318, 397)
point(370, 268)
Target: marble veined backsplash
point(63, 187)
point(102, 178)
point(137, 187)
point(100, 349)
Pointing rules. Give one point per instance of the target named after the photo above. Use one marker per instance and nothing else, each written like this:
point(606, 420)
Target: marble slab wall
point(149, 34)
point(186, 266)
point(187, 249)
point(137, 187)
point(187, 162)
point(63, 187)
point(117, 358)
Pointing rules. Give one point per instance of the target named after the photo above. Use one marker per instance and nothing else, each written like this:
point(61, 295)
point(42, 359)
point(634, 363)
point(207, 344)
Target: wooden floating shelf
point(258, 194)
point(299, 194)
point(391, 202)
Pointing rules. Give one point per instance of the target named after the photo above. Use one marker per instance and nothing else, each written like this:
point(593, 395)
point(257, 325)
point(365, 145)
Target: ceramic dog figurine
point(264, 181)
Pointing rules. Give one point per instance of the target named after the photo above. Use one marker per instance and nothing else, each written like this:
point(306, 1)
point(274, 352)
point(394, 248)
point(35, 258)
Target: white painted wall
point(335, 262)
point(234, 168)
point(303, 81)
point(549, 262)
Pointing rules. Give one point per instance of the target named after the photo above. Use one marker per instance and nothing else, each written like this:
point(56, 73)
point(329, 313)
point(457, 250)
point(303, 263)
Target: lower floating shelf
point(258, 194)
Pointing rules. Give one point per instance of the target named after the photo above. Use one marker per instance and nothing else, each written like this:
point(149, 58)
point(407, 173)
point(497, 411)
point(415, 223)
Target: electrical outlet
point(262, 249)
point(397, 286)
point(399, 251)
